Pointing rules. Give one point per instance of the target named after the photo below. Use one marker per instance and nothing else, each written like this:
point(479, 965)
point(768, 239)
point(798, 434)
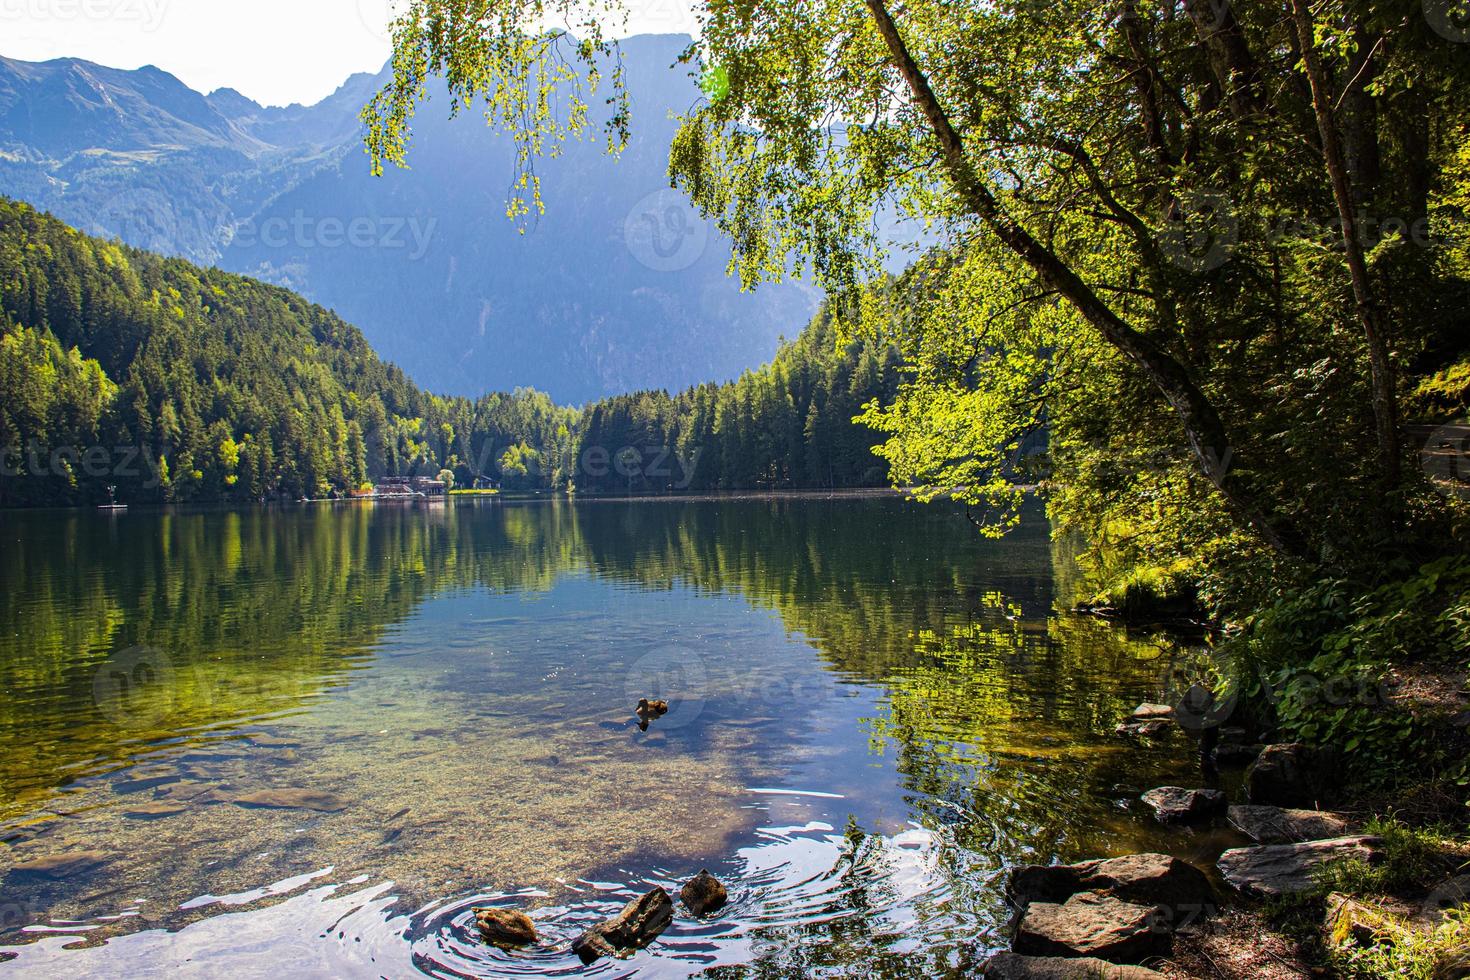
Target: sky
point(275, 51)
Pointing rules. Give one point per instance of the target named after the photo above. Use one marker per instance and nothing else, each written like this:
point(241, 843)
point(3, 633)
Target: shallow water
point(307, 742)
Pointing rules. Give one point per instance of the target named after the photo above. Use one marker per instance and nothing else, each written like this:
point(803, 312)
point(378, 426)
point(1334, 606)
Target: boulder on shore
point(1146, 879)
point(639, 923)
point(1274, 870)
point(703, 894)
point(1097, 925)
point(1177, 805)
point(1290, 775)
point(505, 926)
point(1276, 825)
point(1014, 966)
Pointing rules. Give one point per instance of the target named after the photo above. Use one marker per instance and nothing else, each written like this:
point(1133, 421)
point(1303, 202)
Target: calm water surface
point(305, 742)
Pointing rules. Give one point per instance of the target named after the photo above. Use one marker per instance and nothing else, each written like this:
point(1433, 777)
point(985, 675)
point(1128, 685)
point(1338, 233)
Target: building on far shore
point(409, 486)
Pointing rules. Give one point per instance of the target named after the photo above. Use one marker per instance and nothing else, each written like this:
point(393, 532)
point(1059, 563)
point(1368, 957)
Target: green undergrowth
point(1443, 395)
point(1411, 861)
point(1323, 665)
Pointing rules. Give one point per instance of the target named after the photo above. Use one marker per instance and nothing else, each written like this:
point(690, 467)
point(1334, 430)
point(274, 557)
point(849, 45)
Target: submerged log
point(505, 926)
point(639, 923)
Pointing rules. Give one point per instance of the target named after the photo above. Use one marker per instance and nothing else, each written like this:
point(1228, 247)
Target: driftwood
point(505, 926)
point(639, 923)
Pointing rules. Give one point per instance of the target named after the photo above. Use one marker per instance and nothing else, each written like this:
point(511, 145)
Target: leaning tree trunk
point(1208, 438)
point(1385, 400)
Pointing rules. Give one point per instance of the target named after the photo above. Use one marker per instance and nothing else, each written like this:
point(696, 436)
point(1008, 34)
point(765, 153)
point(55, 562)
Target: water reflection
point(249, 724)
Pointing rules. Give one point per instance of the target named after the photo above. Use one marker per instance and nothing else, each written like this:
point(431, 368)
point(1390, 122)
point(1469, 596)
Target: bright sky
point(275, 51)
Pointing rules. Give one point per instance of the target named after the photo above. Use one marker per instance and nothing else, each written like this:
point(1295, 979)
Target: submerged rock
point(1275, 825)
point(1289, 775)
point(155, 810)
point(1014, 966)
point(1092, 924)
point(1175, 804)
point(1142, 729)
point(292, 799)
point(1146, 879)
point(703, 894)
point(639, 923)
point(61, 865)
point(1275, 870)
point(505, 927)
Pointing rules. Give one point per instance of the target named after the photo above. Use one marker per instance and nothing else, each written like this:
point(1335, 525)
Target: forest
point(174, 383)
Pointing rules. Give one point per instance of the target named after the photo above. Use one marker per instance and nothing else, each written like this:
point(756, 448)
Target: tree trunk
point(1385, 400)
point(1208, 439)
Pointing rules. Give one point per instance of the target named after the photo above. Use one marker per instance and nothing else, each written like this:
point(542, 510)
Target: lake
point(306, 741)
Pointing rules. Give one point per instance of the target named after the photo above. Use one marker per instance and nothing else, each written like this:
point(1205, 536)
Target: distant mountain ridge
point(617, 288)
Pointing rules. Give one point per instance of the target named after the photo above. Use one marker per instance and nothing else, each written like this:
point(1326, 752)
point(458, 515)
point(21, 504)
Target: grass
point(1412, 955)
point(1411, 860)
point(474, 493)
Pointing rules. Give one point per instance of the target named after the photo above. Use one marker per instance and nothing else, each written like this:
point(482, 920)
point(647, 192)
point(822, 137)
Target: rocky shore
point(1124, 918)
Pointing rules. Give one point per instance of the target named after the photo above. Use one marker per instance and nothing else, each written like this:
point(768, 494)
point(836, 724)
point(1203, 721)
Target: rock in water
point(292, 799)
point(60, 866)
point(1143, 729)
point(1175, 804)
point(703, 894)
point(505, 926)
point(1290, 775)
point(1090, 924)
point(1013, 966)
point(639, 923)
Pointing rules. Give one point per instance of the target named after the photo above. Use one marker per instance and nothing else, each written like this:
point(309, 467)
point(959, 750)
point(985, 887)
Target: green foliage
point(190, 384)
point(1443, 395)
point(1409, 858)
point(1411, 956)
point(1317, 663)
point(1171, 170)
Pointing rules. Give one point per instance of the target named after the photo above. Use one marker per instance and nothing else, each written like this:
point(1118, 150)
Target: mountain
point(170, 382)
point(619, 287)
